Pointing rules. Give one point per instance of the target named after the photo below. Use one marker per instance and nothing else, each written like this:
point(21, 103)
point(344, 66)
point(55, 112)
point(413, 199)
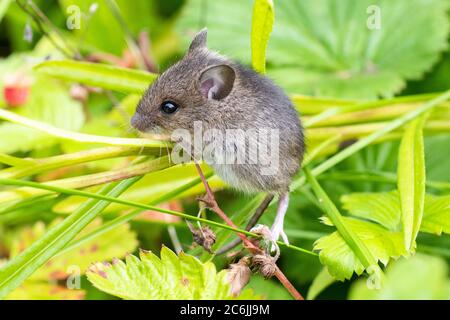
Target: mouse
point(223, 96)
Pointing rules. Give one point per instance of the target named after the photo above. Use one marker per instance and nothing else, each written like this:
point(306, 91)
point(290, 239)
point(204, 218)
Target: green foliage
point(4, 7)
point(262, 23)
point(350, 249)
point(115, 243)
point(411, 181)
point(45, 291)
point(50, 103)
point(385, 208)
point(422, 277)
point(171, 277)
point(341, 260)
point(23, 265)
point(382, 233)
point(41, 285)
point(94, 74)
point(327, 48)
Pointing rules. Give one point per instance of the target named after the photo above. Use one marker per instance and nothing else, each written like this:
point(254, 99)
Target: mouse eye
point(169, 107)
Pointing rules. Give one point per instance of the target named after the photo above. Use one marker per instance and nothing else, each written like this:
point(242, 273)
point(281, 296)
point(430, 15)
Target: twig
point(212, 204)
point(251, 223)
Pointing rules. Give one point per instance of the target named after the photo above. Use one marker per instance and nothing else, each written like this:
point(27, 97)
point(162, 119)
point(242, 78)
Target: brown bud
point(265, 264)
point(238, 276)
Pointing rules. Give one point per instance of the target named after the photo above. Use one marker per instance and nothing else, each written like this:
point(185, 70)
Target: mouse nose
point(137, 122)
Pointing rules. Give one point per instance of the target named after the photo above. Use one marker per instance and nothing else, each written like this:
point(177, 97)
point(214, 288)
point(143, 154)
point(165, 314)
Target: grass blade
point(364, 142)
point(262, 23)
point(411, 180)
point(79, 137)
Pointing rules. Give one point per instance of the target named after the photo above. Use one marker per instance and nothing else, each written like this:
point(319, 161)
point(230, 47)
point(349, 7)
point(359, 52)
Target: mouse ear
point(216, 82)
point(199, 40)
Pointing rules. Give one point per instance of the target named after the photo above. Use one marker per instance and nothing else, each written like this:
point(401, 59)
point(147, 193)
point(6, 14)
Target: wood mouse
point(221, 94)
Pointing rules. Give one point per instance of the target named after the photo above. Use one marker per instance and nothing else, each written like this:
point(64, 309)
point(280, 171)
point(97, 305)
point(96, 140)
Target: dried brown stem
point(251, 223)
point(210, 200)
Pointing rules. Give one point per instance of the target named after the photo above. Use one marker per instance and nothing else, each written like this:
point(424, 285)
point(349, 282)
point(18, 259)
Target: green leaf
point(171, 277)
point(22, 266)
point(421, 277)
point(326, 48)
point(98, 75)
point(350, 252)
point(384, 208)
point(411, 180)
point(340, 259)
point(262, 23)
point(114, 243)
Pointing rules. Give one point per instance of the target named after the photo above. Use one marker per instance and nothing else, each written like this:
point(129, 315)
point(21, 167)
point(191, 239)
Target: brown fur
point(253, 102)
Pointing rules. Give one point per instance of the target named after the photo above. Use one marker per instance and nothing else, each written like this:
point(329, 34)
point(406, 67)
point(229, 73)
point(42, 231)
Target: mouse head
point(194, 89)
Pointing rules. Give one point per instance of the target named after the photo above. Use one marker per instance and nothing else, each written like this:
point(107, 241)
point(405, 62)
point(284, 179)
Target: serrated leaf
point(326, 48)
point(384, 208)
point(430, 282)
point(411, 180)
point(262, 23)
point(168, 277)
point(98, 75)
point(342, 262)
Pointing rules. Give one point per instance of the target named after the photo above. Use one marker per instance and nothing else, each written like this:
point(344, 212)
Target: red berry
point(16, 89)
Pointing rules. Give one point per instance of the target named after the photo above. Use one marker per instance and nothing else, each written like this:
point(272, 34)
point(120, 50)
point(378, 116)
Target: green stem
point(80, 137)
point(13, 161)
point(356, 111)
point(88, 180)
point(334, 106)
point(334, 117)
point(322, 147)
point(363, 129)
point(41, 165)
